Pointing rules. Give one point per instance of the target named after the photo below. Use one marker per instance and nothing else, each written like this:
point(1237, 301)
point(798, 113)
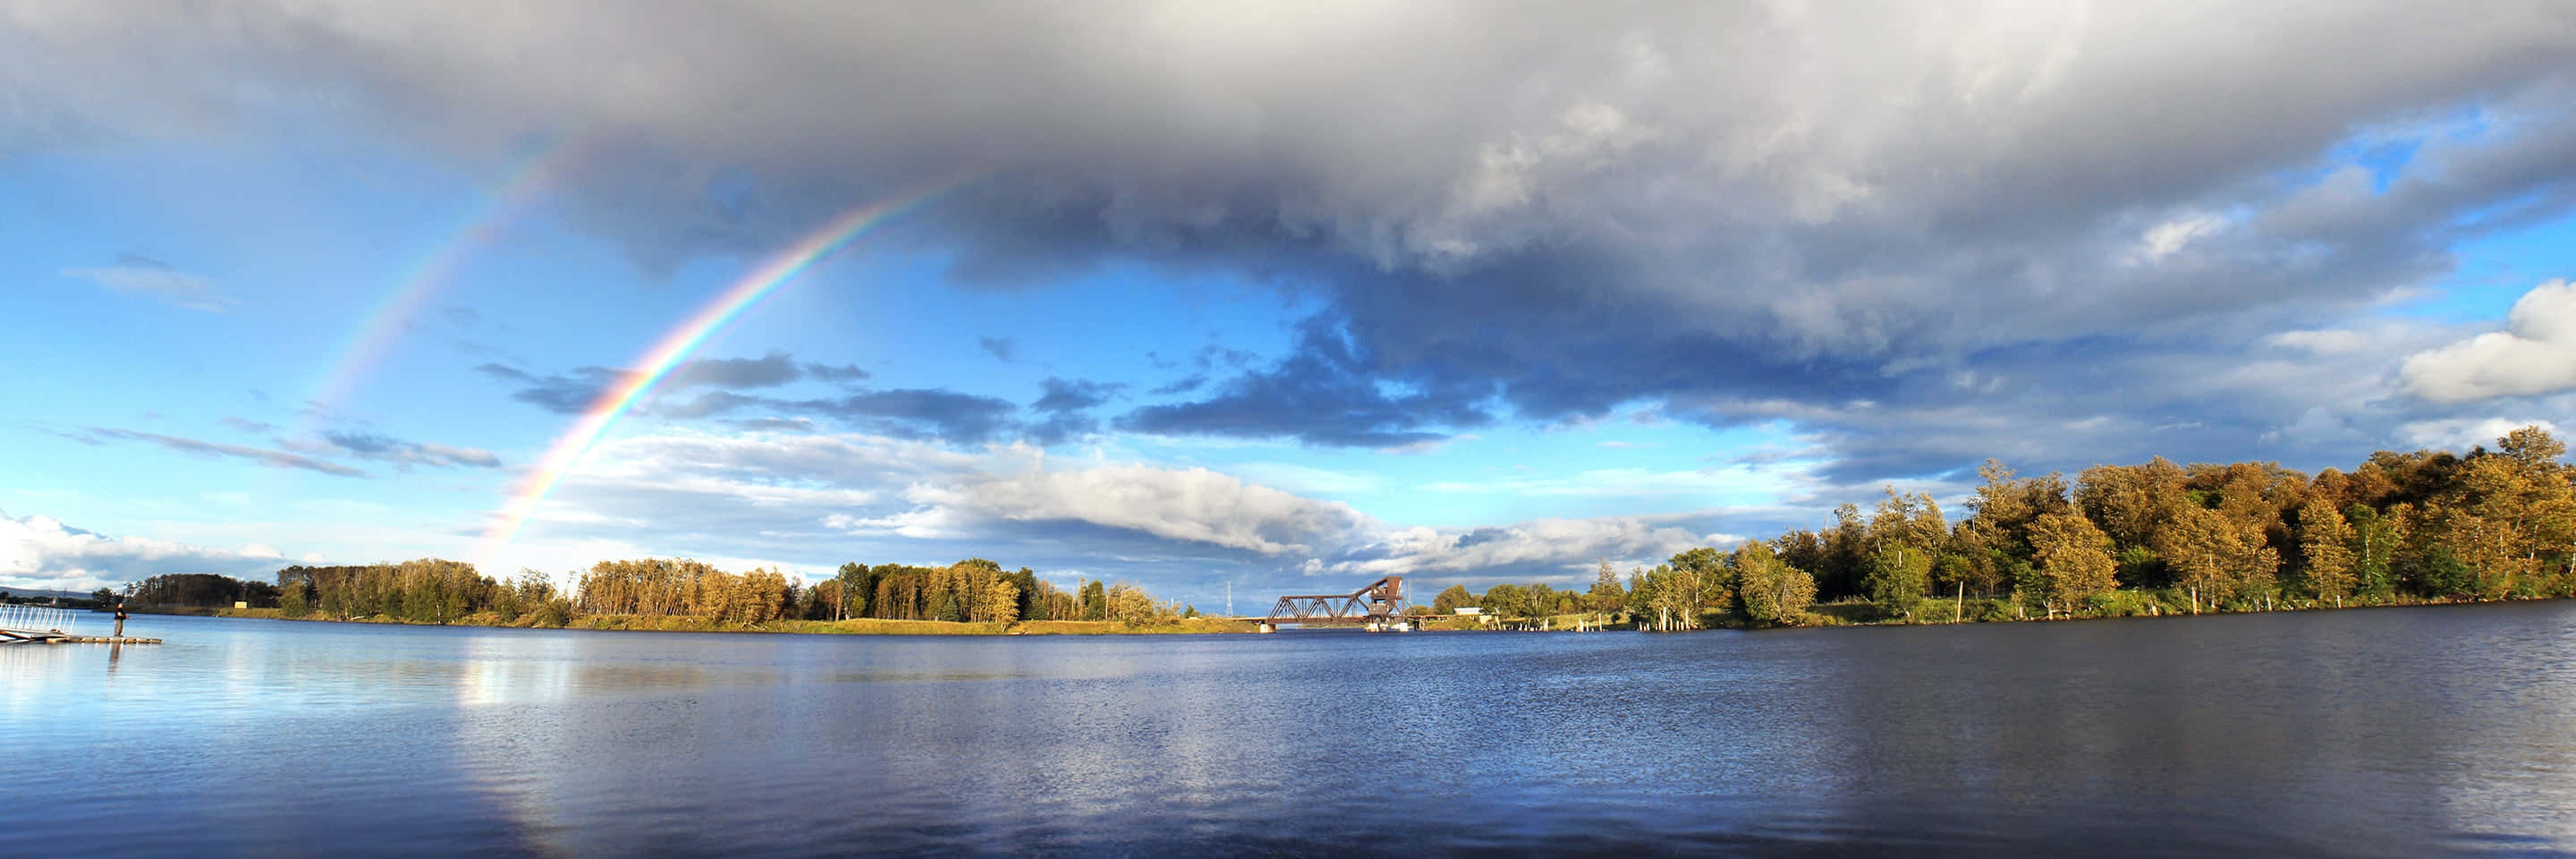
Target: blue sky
point(1214, 312)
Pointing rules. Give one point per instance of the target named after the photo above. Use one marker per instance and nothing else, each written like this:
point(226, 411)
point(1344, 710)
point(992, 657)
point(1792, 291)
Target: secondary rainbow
point(529, 177)
point(676, 346)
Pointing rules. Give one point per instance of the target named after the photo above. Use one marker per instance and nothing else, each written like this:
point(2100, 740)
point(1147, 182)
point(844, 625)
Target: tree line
point(432, 590)
point(978, 590)
point(2400, 527)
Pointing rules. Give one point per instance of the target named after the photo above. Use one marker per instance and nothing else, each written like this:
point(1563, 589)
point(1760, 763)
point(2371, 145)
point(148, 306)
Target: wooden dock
point(35, 625)
point(24, 636)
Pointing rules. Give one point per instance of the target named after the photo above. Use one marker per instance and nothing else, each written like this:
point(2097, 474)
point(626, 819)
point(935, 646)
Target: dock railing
point(30, 618)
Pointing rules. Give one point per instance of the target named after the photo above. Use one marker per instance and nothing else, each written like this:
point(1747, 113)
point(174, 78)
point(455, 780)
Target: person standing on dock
point(120, 619)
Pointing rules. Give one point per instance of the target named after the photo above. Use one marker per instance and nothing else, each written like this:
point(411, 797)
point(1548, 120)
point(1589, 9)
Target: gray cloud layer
point(263, 456)
point(1845, 214)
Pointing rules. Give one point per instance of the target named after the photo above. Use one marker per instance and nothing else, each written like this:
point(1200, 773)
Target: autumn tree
point(2074, 556)
point(2325, 550)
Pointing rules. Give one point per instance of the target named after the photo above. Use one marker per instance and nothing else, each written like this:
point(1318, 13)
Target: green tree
point(1703, 580)
point(1452, 599)
point(1540, 599)
point(1094, 601)
point(1506, 600)
point(2376, 540)
point(1607, 594)
point(850, 599)
point(1769, 591)
point(1904, 534)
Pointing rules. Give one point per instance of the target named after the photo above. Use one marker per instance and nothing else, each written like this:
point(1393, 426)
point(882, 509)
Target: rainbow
point(675, 346)
point(523, 181)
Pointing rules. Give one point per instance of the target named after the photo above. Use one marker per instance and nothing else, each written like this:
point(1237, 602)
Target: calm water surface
point(2397, 732)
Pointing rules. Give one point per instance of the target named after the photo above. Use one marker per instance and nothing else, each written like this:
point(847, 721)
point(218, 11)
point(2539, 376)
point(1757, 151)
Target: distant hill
point(40, 593)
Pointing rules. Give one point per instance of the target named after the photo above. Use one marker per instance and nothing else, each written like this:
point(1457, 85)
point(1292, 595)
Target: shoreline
point(1842, 614)
point(690, 623)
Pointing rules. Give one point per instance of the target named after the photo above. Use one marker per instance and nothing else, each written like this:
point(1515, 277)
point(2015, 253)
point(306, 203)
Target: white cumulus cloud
point(42, 552)
point(2461, 433)
point(2535, 354)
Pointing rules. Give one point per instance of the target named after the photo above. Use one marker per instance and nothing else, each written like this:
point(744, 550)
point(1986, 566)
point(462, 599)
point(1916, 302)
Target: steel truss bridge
point(1379, 607)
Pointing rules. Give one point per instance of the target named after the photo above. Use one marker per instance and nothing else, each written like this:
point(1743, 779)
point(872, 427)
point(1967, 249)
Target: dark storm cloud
point(1324, 393)
point(733, 386)
point(1535, 212)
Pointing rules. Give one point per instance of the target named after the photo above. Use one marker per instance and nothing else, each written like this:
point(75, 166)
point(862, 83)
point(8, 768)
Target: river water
point(2398, 732)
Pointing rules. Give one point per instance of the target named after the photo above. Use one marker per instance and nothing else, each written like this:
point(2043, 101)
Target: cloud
point(563, 394)
point(576, 391)
point(897, 498)
point(1066, 406)
point(912, 413)
point(263, 456)
point(2464, 433)
point(41, 552)
point(768, 371)
point(1193, 505)
point(1322, 394)
point(1496, 212)
point(998, 347)
point(1562, 549)
point(1073, 395)
point(405, 454)
point(2323, 342)
point(879, 498)
point(2534, 355)
point(139, 275)
point(920, 413)
point(830, 373)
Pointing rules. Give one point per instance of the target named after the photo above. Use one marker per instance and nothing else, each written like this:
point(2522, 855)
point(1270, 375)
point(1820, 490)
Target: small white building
point(1470, 611)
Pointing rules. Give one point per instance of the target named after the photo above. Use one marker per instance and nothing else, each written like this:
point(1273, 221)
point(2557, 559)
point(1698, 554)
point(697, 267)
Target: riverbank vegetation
point(971, 597)
point(2150, 539)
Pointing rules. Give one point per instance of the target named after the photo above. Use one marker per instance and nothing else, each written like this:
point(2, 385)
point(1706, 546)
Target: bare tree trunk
point(1962, 612)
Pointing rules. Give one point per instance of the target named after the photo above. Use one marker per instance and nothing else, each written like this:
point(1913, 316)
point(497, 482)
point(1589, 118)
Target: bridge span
point(1379, 607)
